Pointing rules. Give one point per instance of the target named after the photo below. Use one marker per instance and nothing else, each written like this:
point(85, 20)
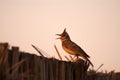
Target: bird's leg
point(74, 59)
point(77, 57)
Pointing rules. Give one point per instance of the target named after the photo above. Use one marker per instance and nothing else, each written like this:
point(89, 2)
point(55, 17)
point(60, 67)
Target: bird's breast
point(68, 50)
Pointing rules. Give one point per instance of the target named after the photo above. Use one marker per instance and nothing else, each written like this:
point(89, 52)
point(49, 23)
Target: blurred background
point(92, 24)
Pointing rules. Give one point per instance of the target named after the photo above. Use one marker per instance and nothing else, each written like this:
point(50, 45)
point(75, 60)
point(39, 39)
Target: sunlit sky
point(92, 24)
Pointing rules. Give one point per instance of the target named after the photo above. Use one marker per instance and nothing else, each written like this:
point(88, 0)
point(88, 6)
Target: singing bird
point(72, 48)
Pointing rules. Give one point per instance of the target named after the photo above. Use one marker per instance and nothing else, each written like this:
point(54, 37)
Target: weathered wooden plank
point(42, 73)
point(3, 52)
point(47, 69)
point(62, 71)
point(4, 64)
point(56, 69)
point(35, 69)
point(69, 71)
point(15, 59)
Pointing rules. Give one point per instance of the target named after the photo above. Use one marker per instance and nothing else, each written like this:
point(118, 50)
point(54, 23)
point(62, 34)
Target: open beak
point(58, 35)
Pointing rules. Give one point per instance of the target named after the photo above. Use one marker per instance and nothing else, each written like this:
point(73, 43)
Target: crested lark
point(71, 47)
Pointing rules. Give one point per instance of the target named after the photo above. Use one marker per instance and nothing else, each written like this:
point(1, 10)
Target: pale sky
point(92, 24)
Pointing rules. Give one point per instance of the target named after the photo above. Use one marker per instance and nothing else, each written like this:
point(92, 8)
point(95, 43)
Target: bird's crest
point(64, 35)
point(64, 30)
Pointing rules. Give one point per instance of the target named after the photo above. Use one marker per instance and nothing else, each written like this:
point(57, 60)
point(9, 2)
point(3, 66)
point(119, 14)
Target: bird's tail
point(90, 62)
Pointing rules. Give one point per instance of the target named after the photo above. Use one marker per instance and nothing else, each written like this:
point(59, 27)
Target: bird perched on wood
point(72, 48)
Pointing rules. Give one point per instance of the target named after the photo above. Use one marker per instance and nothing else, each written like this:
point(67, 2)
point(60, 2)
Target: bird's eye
point(63, 34)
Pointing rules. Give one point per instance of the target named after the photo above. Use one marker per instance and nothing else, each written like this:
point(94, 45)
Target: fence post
point(4, 64)
point(15, 59)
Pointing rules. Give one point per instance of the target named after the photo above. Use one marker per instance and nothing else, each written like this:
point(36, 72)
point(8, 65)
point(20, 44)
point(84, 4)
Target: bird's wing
point(78, 49)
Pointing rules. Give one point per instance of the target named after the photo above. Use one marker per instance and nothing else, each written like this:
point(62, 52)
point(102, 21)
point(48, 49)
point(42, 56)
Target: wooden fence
point(16, 65)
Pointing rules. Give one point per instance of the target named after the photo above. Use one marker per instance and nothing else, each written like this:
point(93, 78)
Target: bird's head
point(64, 36)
